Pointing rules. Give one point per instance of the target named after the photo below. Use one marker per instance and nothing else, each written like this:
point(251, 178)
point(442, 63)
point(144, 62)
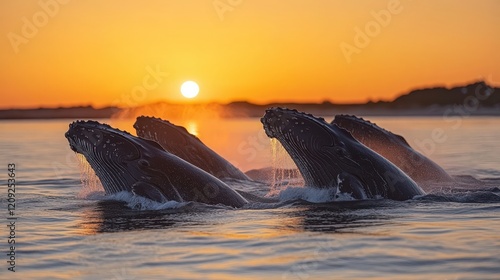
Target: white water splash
point(314, 195)
point(281, 161)
point(141, 203)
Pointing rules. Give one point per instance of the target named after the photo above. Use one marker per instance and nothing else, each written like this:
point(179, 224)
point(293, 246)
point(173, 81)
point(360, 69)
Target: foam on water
point(467, 196)
point(141, 203)
point(314, 195)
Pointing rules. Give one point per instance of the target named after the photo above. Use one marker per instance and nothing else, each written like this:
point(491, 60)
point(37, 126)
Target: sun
point(190, 89)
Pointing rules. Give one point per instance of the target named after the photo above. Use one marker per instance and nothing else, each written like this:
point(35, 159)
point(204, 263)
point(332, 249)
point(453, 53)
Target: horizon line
point(192, 102)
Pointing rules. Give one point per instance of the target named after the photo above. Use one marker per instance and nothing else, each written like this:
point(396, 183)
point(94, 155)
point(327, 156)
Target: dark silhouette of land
point(59, 113)
point(475, 99)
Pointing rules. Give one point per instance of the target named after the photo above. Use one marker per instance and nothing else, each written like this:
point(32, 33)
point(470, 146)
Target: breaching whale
point(394, 148)
point(178, 141)
point(329, 156)
point(124, 162)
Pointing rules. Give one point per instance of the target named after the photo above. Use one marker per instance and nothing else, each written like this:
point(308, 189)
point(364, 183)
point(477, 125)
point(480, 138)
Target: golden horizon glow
point(190, 89)
point(101, 53)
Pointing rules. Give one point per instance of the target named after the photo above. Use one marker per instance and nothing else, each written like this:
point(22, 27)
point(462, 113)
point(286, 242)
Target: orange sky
point(119, 52)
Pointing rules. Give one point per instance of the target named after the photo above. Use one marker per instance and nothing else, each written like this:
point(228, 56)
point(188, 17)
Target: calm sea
point(65, 230)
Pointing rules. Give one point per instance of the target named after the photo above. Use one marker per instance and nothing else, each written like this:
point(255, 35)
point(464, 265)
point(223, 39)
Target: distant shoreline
point(477, 99)
point(251, 111)
point(58, 113)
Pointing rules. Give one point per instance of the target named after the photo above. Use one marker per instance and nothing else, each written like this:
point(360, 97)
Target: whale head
point(371, 134)
point(173, 138)
point(394, 148)
point(121, 161)
point(178, 141)
point(327, 155)
point(320, 151)
point(124, 162)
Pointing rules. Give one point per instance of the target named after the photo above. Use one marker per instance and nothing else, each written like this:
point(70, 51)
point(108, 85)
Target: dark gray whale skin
point(178, 141)
point(124, 162)
point(394, 148)
point(328, 156)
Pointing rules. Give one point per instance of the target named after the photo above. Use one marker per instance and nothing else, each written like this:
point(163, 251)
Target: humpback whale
point(178, 141)
point(328, 156)
point(394, 148)
point(123, 162)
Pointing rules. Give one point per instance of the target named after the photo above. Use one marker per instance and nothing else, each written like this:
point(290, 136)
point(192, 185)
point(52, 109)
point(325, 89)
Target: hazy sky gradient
point(101, 52)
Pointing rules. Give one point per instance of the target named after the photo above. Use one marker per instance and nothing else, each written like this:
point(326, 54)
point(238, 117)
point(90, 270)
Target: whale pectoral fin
point(348, 183)
point(148, 191)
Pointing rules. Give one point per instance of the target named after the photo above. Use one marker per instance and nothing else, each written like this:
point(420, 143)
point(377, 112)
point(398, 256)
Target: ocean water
point(65, 229)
